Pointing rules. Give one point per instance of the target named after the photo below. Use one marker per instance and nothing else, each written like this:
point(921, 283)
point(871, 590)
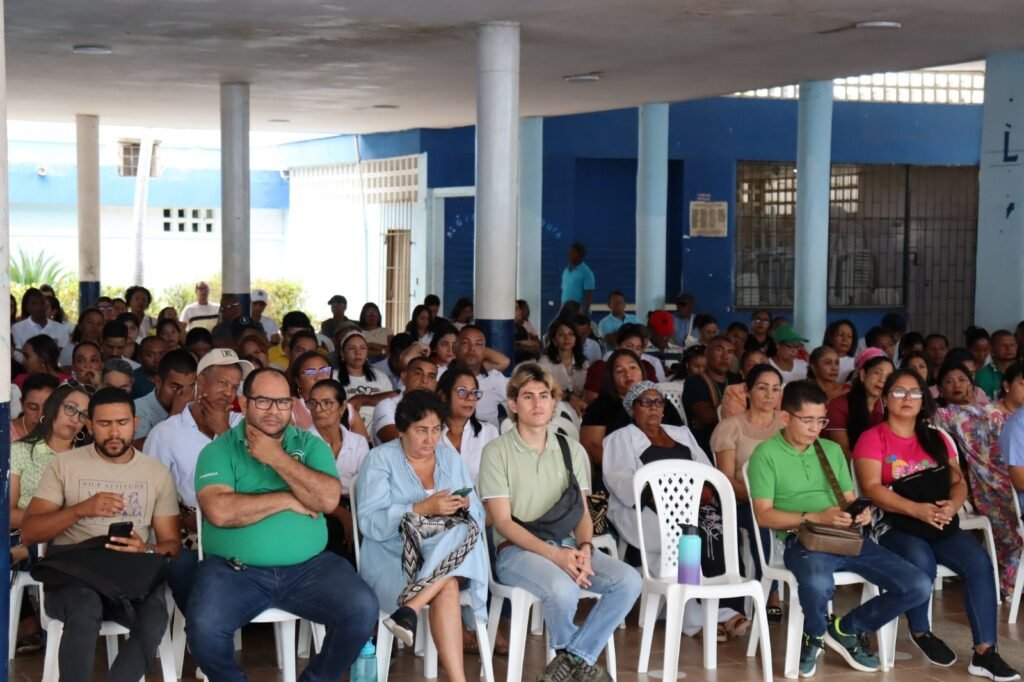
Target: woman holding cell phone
point(910, 471)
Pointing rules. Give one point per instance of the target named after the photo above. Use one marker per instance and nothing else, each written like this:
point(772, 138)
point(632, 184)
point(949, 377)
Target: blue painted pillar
point(87, 144)
point(813, 163)
point(234, 190)
point(651, 208)
point(5, 347)
point(999, 282)
point(497, 175)
point(531, 192)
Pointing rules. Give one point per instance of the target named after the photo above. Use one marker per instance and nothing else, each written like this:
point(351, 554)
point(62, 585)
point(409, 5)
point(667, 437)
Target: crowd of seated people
point(448, 455)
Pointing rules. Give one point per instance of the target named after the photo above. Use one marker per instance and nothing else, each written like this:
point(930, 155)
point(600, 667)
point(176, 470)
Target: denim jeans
point(81, 610)
point(905, 586)
point(181, 576)
point(745, 520)
point(618, 584)
point(324, 589)
point(962, 553)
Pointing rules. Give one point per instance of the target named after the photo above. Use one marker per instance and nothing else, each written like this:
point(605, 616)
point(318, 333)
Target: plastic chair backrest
point(355, 519)
point(566, 428)
point(677, 485)
point(199, 531)
point(765, 559)
point(673, 391)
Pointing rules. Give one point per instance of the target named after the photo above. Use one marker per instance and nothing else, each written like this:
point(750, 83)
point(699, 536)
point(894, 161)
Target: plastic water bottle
point(689, 556)
point(365, 667)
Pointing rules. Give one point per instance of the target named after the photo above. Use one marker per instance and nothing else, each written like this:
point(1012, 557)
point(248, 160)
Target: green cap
point(786, 333)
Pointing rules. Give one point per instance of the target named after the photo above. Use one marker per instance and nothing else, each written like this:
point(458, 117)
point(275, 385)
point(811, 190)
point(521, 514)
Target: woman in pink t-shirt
point(927, 533)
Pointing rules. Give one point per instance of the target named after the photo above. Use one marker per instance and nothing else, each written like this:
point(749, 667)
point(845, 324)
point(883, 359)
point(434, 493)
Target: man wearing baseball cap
point(660, 345)
point(788, 343)
point(329, 327)
point(178, 440)
point(258, 300)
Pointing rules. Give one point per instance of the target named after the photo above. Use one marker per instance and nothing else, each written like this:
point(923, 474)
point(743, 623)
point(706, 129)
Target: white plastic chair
point(108, 629)
point(673, 391)
point(21, 581)
point(284, 622)
point(1018, 586)
point(366, 414)
point(676, 486)
point(385, 639)
point(773, 569)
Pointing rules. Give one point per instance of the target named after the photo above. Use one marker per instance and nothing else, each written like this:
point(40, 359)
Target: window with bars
point(899, 236)
point(128, 163)
point(914, 87)
point(190, 220)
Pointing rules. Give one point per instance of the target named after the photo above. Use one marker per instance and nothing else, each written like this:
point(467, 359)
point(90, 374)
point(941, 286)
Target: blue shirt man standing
point(578, 279)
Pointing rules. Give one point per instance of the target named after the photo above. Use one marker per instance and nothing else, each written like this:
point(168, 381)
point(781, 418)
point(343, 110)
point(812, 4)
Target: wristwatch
point(150, 549)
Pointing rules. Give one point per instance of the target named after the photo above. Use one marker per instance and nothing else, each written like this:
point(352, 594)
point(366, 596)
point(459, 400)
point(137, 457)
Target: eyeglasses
point(811, 422)
point(316, 371)
point(262, 402)
point(74, 383)
point(902, 394)
point(760, 320)
point(650, 402)
point(326, 404)
point(71, 410)
point(474, 393)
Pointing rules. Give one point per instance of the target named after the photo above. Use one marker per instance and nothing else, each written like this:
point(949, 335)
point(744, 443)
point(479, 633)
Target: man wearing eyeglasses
point(420, 373)
point(264, 487)
point(178, 440)
point(789, 487)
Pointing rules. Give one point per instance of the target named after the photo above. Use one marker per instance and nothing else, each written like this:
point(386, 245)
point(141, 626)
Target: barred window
point(190, 220)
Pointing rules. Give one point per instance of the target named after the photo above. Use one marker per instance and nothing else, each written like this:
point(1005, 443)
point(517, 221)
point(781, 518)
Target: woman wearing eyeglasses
point(305, 372)
point(325, 401)
point(462, 430)
point(976, 428)
point(648, 440)
point(910, 471)
point(61, 428)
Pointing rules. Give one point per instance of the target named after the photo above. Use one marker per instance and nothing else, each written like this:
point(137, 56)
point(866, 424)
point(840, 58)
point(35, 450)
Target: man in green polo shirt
point(788, 486)
point(523, 474)
point(263, 487)
point(1004, 353)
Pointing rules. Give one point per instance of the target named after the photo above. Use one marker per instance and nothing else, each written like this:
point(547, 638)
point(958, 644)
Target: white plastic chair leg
point(429, 648)
point(178, 640)
point(710, 633)
point(319, 633)
point(286, 648)
point(278, 645)
point(517, 635)
point(14, 615)
point(50, 663)
point(609, 656)
point(794, 635)
point(238, 640)
point(305, 638)
point(761, 622)
point(649, 605)
point(422, 632)
point(111, 649)
point(483, 643)
point(537, 619)
point(1018, 588)
point(166, 653)
point(673, 633)
point(385, 640)
point(990, 544)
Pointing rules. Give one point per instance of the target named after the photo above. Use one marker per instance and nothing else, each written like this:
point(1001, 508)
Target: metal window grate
point(398, 244)
point(190, 220)
point(128, 162)
point(913, 87)
point(874, 260)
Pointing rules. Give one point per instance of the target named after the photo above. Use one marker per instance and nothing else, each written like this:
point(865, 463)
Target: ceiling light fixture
point(91, 49)
point(879, 25)
point(279, 120)
point(385, 106)
point(583, 77)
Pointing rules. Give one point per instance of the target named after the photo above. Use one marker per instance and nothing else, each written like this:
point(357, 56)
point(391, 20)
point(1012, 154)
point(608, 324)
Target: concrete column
point(531, 193)
point(234, 190)
point(87, 143)
point(813, 162)
point(497, 174)
point(651, 208)
point(5, 345)
point(999, 282)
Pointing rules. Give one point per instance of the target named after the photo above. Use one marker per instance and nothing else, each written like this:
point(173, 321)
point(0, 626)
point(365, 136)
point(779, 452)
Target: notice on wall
point(709, 218)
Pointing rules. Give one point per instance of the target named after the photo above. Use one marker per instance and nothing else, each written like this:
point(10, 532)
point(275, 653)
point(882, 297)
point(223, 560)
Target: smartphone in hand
point(857, 506)
point(122, 529)
point(463, 492)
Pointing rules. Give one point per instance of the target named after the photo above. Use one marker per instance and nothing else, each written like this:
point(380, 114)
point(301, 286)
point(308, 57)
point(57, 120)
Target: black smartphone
point(463, 492)
point(122, 529)
point(857, 506)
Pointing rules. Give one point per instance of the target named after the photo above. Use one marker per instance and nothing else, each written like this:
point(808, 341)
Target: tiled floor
point(733, 665)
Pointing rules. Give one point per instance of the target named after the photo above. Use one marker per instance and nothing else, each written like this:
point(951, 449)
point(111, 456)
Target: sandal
point(774, 614)
point(500, 645)
point(469, 643)
point(736, 626)
point(721, 634)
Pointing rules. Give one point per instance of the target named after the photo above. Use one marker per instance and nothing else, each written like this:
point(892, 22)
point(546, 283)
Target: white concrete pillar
point(531, 195)
point(813, 163)
point(999, 282)
point(234, 190)
point(87, 144)
point(651, 208)
point(497, 174)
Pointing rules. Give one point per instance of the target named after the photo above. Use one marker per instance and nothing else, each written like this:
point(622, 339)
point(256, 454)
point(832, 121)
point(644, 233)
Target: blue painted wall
point(590, 181)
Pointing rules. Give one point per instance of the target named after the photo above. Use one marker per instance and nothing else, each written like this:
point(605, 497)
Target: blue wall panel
point(605, 223)
point(459, 242)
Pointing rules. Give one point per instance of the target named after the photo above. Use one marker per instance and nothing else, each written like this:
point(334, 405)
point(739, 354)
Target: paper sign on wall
point(709, 218)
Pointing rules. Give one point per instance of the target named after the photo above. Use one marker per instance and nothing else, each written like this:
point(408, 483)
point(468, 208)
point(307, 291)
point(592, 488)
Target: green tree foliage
point(33, 270)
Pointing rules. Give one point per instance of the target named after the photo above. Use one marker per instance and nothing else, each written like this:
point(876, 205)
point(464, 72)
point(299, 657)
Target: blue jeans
point(181, 576)
point(745, 520)
point(324, 589)
point(618, 584)
point(962, 553)
point(905, 586)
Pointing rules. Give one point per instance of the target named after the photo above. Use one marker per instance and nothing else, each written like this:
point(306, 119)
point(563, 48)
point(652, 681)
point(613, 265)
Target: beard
point(113, 447)
point(275, 434)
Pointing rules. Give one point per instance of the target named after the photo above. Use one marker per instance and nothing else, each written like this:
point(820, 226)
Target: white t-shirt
point(798, 373)
point(195, 310)
point(354, 449)
point(472, 445)
point(383, 415)
point(27, 328)
point(269, 326)
point(493, 386)
point(177, 442)
point(362, 386)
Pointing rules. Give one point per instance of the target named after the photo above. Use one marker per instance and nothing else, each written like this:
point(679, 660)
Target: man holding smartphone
point(106, 488)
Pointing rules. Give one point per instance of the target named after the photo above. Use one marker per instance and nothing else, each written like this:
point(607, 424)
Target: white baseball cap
point(224, 356)
point(259, 295)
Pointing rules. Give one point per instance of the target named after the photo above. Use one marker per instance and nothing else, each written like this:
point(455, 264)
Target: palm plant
point(37, 269)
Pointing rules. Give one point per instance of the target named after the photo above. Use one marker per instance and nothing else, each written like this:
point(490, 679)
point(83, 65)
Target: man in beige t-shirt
point(80, 494)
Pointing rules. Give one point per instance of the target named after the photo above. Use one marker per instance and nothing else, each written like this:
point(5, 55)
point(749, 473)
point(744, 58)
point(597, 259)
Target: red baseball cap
point(661, 323)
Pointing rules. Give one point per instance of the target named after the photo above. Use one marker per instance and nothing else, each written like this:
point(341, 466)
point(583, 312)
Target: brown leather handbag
point(822, 537)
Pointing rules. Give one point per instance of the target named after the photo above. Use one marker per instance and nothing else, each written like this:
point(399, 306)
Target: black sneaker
point(853, 648)
point(402, 624)
point(584, 672)
point(809, 652)
point(991, 665)
point(560, 669)
point(934, 649)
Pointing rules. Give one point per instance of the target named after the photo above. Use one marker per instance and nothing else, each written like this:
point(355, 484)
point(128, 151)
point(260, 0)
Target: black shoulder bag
point(558, 522)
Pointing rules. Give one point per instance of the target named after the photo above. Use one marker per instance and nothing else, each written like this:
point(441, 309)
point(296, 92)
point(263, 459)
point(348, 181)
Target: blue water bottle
point(689, 556)
point(365, 667)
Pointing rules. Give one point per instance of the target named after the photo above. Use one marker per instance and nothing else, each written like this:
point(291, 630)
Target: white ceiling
point(322, 66)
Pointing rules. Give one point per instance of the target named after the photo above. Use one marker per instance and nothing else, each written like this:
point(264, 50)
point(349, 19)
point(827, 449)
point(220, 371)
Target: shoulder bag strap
point(563, 445)
point(712, 389)
point(830, 475)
